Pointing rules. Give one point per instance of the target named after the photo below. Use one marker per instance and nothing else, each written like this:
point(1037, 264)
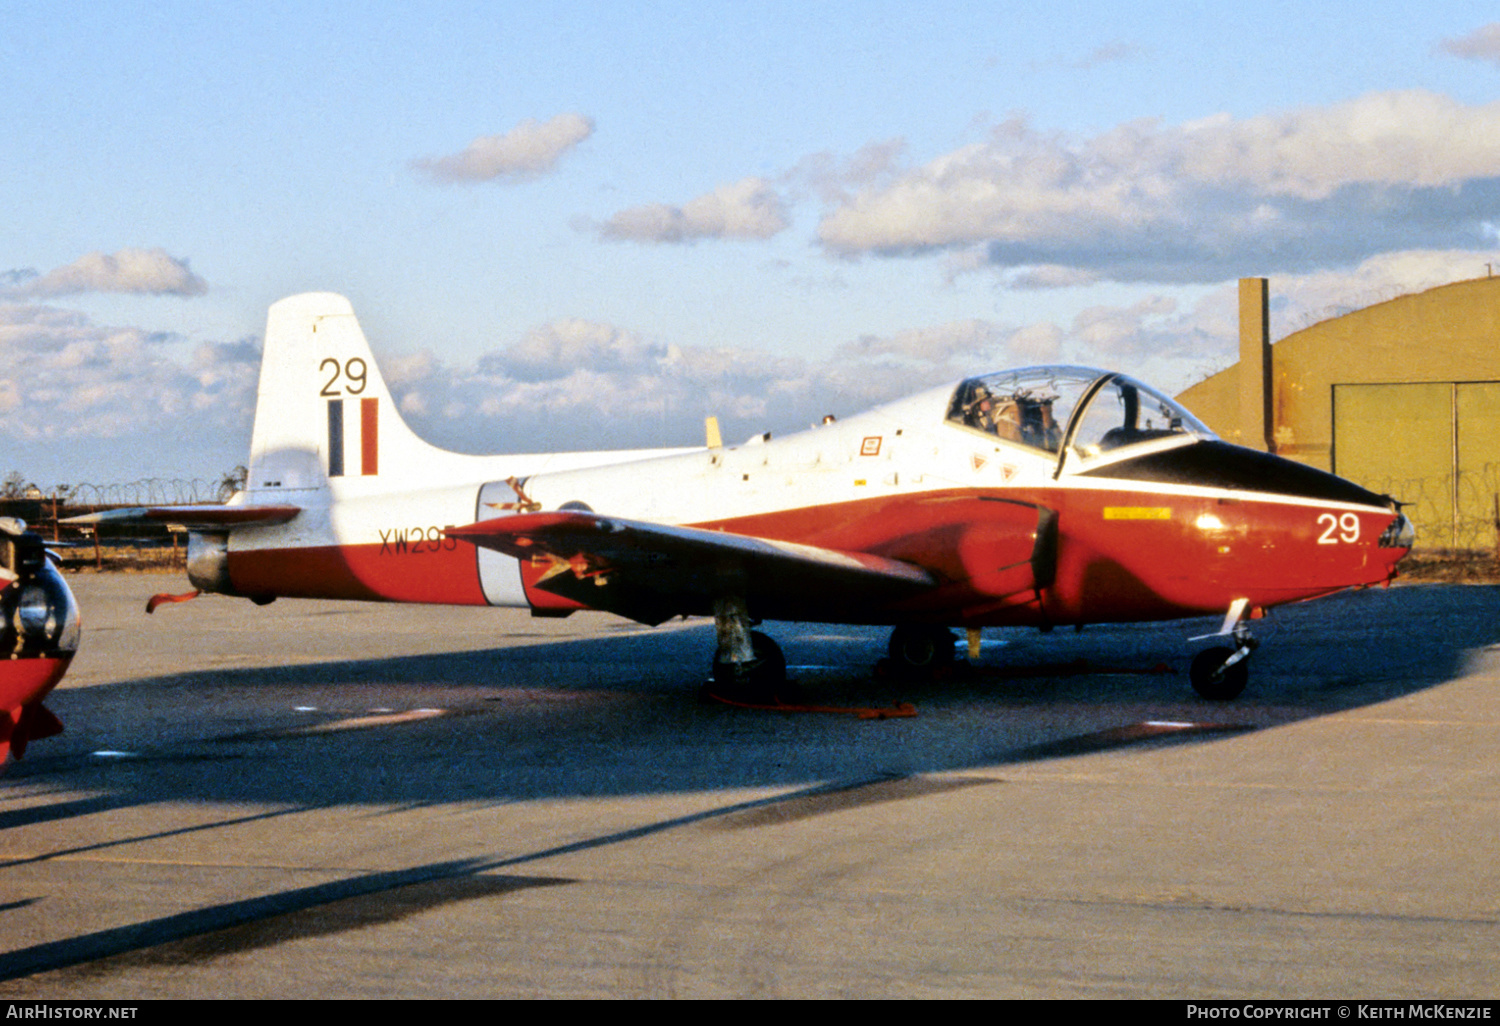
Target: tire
point(921, 649)
point(761, 676)
point(1211, 679)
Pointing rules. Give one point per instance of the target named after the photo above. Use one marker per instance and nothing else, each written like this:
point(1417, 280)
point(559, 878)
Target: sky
point(581, 225)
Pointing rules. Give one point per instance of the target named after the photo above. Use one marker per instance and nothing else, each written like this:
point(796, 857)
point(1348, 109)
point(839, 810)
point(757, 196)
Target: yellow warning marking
point(1137, 513)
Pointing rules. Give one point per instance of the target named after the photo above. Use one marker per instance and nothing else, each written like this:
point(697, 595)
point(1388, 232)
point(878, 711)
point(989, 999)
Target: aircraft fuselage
point(1012, 534)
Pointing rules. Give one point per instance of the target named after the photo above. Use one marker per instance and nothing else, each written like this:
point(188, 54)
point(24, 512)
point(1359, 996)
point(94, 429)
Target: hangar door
point(1435, 446)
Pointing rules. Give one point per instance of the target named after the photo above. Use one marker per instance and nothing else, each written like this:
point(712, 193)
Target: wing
point(652, 572)
point(194, 518)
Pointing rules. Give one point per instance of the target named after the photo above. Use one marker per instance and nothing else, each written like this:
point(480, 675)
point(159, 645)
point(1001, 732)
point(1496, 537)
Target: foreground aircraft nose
point(39, 630)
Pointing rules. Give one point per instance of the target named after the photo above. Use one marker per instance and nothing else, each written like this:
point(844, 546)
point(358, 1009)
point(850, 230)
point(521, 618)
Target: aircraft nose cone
point(1399, 534)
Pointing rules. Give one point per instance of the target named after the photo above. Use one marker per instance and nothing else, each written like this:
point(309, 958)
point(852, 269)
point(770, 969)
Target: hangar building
point(1402, 397)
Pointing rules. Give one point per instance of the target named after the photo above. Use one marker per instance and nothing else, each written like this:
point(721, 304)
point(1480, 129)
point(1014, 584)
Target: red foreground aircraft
point(38, 636)
point(1039, 497)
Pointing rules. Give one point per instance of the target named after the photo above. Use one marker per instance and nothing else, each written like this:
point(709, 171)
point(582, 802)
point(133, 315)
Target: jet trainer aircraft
point(1039, 497)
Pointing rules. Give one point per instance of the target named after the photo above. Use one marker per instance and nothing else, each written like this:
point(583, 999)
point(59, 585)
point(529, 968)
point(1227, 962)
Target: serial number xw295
point(399, 541)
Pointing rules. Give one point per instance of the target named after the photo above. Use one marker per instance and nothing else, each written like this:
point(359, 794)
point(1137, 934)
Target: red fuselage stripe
point(410, 565)
point(1122, 555)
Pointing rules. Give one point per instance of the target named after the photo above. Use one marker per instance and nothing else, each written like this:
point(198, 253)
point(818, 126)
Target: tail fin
point(324, 418)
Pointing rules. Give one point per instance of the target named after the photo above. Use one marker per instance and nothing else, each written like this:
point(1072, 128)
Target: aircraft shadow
point(616, 714)
point(620, 715)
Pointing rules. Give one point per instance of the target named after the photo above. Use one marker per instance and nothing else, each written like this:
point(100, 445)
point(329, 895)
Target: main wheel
point(921, 649)
point(1215, 681)
point(761, 677)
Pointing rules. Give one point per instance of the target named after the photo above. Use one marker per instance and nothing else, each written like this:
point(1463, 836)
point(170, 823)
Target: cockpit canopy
point(1073, 412)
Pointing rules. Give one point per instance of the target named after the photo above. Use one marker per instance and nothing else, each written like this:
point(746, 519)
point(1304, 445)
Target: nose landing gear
point(1220, 673)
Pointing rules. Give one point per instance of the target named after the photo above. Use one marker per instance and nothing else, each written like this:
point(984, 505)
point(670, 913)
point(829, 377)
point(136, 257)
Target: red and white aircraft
point(38, 635)
point(1037, 497)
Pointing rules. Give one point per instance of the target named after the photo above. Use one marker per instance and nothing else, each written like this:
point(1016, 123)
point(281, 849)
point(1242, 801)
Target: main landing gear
point(1220, 673)
point(921, 649)
point(748, 666)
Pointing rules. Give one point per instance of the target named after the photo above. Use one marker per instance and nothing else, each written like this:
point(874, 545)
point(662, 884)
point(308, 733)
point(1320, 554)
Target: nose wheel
point(1220, 673)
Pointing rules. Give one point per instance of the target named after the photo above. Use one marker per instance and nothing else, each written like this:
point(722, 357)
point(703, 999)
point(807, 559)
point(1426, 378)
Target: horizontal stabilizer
point(195, 518)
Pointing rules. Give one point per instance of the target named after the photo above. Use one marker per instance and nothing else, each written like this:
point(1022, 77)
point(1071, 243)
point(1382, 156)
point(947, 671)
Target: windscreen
point(1124, 412)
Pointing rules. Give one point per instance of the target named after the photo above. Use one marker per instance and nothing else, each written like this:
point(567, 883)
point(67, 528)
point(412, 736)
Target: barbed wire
point(148, 491)
point(1365, 298)
point(1372, 296)
point(1429, 502)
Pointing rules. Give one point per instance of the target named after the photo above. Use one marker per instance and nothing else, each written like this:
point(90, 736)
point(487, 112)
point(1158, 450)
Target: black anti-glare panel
point(1221, 465)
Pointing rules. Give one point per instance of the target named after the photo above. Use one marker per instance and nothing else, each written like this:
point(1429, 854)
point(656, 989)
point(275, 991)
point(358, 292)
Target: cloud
point(1172, 343)
point(71, 381)
point(148, 271)
point(831, 179)
point(1050, 276)
point(1118, 52)
point(11, 282)
point(1036, 343)
point(1303, 300)
point(1111, 53)
point(1483, 44)
point(577, 384)
point(747, 209)
point(93, 395)
point(938, 344)
point(1126, 330)
point(1198, 202)
point(106, 398)
point(529, 150)
point(556, 350)
point(958, 348)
